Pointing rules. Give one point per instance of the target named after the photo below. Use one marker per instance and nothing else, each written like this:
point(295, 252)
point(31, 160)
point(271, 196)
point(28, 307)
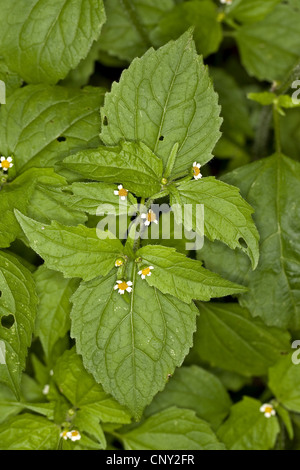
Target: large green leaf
point(12, 80)
point(248, 12)
point(132, 164)
point(129, 22)
point(75, 251)
point(17, 311)
point(131, 345)
point(272, 187)
point(172, 429)
point(183, 277)
point(263, 52)
point(227, 217)
point(202, 15)
point(228, 337)
point(196, 389)
point(284, 381)
point(41, 124)
point(29, 432)
point(80, 388)
point(247, 428)
point(164, 98)
point(42, 40)
point(53, 313)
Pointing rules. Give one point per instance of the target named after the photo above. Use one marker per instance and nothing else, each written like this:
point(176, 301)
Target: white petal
point(129, 283)
point(143, 216)
point(9, 159)
point(139, 272)
point(4, 169)
point(155, 221)
point(116, 192)
point(11, 165)
point(147, 222)
point(151, 267)
point(2, 159)
point(268, 415)
point(121, 291)
point(129, 289)
point(149, 274)
point(262, 408)
point(143, 276)
point(123, 198)
point(120, 186)
point(116, 287)
point(195, 163)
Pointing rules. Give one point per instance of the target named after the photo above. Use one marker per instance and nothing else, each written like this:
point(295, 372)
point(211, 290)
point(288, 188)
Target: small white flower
point(119, 262)
point(268, 410)
point(150, 217)
point(228, 2)
point(74, 435)
point(145, 272)
point(64, 435)
point(46, 389)
point(196, 171)
point(123, 286)
point(6, 163)
point(121, 192)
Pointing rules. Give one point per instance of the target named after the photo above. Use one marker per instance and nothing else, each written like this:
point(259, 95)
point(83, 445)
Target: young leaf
point(84, 393)
point(183, 277)
point(202, 15)
point(52, 319)
point(29, 432)
point(284, 381)
point(17, 311)
point(75, 251)
point(172, 429)
point(163, 98)
point(40, 124)
point(256, 41)
point(42, 40)
point(247, 428)
point(196, 389)
point(129, 22)
point(227, 216)
point(228, 337)
point(272, 187)
point(88, 197)
point(131, 346)
point(132, 164)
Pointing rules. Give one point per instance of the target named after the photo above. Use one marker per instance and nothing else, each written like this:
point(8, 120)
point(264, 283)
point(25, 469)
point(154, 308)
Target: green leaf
point(12, 80)
point(290, 133)
point(196, 389)
point(264, 98)
point(272, 187)
point(227, 216)
point(129, 22)
point(132, 164)
point(247, 428)
point(228, 337)
point(164, 98)
point(80, 388)
point(17, 310)
point(33, 193)
point(130, 345)
point(248, 12)
point(29, 432)
point(284, 381)
point(42, 40)
point(202, 15)
point(40, 124)
point(87, 422)
point(88, 197)
point(264, 53)
point(52, 320)
point(75, 251)
point(183, 277)
point(172, 429)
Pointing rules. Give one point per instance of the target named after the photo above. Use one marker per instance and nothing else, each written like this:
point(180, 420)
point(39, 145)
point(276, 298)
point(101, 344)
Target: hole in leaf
point(243, 243)
point(105, 121)
point(7, 321)
point(61, 139)
point(161, 138)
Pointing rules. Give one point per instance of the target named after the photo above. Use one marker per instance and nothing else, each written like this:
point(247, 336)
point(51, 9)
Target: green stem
point(276, 120)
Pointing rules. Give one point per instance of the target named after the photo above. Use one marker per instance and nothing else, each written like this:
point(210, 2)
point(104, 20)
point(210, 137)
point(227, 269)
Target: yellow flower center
point(268, 409)
point(5, 164)
point(74, 433)
point(151, 216)
point(196, 170)
point(123, 192)
point(123, 285)
point(64, 434)
point(119, 262)
point(145, 271)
